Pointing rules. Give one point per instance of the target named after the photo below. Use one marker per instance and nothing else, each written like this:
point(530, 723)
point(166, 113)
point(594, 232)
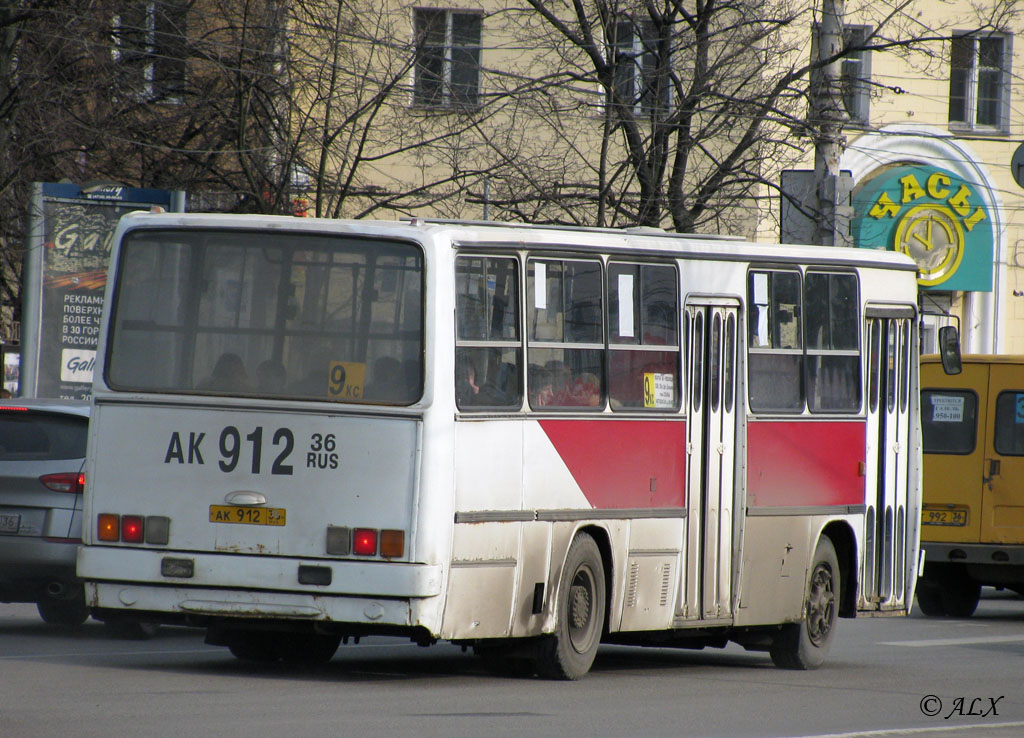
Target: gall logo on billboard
point(76, 365)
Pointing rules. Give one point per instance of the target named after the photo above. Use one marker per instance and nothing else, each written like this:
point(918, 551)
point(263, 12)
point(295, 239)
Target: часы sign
point(936, 217)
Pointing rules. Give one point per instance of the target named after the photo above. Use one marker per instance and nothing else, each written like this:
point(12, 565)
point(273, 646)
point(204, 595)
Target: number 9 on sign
point(346, 379)
point(337, 385)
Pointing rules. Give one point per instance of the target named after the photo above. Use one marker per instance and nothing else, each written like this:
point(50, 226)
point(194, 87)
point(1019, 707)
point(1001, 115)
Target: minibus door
point(1002, 492)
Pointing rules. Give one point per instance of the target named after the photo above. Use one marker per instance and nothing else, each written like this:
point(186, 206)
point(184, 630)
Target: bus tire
point(579, 614)
point(257, 646)
point(308, 648)
point(805, 645)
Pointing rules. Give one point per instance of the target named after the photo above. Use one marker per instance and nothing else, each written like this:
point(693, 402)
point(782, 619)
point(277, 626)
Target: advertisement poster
point(65, 286)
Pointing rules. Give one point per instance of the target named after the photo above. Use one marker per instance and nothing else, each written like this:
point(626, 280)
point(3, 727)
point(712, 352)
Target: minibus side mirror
point(949, 349)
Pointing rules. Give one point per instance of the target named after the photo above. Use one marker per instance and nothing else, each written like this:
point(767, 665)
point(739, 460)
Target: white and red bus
point(528, 440)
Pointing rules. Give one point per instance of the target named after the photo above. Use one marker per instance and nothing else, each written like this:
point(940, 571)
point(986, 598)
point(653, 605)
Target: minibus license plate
point(247, 515)
point(946, 516)
point(9, 523)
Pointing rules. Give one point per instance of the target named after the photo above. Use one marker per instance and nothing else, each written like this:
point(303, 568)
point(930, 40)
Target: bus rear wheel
point(579, 617)
point(805, 645)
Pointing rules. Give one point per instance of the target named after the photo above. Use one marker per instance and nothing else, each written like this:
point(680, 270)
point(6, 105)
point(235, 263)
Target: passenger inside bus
point(387, 382)
point(229, 375)
point(542, 392)
point(271, 377)
point(468, 391)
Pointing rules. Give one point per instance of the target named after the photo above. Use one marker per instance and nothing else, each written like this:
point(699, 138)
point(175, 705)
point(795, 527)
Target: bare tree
point(666, 112)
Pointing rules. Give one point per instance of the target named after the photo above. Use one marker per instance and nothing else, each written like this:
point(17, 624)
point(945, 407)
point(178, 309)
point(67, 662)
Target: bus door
point(890, 335)
point(711, 434)
point(1002, 498)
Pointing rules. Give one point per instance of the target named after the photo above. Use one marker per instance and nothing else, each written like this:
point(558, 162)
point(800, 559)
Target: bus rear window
point(268, 314)
point(949, 421)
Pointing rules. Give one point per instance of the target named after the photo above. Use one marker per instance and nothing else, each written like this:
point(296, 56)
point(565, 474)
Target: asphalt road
point(912, 676)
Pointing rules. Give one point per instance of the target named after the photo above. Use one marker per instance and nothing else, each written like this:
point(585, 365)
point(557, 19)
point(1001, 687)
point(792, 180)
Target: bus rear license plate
point(247, 515)
point(954, 517)
point(9, 523)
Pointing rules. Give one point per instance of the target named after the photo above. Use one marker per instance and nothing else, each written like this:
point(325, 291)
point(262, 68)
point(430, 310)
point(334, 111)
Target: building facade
point(933, 164)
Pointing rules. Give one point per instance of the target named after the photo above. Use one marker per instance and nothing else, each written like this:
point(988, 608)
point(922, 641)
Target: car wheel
point(68, 610)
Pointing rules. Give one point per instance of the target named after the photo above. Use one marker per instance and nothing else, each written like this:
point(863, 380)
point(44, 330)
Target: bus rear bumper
point(243, 587)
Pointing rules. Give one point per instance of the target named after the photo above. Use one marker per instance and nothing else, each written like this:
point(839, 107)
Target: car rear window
point(29, 436)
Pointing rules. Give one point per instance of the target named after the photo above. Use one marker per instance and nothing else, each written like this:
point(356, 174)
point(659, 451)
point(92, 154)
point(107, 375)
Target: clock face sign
point(934, 216)
point(933, 237)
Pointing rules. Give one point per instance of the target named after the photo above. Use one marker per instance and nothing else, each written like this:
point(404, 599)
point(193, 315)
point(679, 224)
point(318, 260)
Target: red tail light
point(73, 482)
point(364, 542)
point(131, 528)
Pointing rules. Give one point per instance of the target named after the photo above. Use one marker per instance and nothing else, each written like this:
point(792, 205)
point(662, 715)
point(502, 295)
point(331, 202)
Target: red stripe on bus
point(623, 463)
point(805, 463)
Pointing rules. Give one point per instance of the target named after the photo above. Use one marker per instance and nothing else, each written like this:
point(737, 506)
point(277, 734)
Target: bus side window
point(831, 335)
point(775, 360)
point(488, 343)
point(643, 337)
point(566, 333)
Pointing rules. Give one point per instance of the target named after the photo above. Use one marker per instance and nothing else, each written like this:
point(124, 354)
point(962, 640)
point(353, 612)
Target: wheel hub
point(820, 606)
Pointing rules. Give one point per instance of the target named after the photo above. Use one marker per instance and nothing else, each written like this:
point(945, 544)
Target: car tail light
point(13, 408)
point(364, 542)
point(131, 528)
point(73, 482)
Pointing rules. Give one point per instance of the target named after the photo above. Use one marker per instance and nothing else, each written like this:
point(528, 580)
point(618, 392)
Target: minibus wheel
point(579, 617)
point(929, 598)
point(805, 645)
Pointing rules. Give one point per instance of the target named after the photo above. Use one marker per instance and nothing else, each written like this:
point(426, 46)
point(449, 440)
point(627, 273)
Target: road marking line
point(883, 733)
point(955, 641)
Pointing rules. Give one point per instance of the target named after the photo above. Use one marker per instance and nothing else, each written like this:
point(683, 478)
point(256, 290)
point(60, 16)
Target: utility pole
point(827, 116)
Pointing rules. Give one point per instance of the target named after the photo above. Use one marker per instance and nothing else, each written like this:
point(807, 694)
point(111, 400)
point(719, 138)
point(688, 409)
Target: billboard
point(65, 277)
point(936, 217)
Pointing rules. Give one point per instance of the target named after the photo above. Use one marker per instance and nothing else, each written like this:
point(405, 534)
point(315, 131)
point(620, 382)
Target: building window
point(978, 80)
point(854, 74)
point(447, 65)
point(641, 74)
point(150, 48)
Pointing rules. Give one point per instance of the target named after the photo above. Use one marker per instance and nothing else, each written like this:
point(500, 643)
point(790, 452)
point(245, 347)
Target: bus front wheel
point(805, 645)
point(580, 609)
